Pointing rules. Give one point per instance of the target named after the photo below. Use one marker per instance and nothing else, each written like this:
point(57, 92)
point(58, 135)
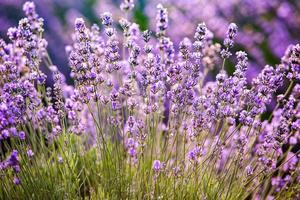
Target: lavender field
point(150, 99)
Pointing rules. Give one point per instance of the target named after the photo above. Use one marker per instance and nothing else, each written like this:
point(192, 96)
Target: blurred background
point(266, 27)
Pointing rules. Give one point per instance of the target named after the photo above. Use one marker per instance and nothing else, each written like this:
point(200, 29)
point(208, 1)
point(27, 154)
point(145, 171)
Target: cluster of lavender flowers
point(148, 110)
point(266, 27)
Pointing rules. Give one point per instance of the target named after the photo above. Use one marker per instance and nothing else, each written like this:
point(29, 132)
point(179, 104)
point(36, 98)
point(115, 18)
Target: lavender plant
point(141, 120)
point(266, 27)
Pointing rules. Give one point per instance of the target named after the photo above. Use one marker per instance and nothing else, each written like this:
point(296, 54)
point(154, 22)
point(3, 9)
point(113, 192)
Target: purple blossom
point(22, 135)
point(30, 153)
point(106, 19)
point(60, 160)
point(16, 180)
point(127, 5)
point(161, 20)
point(157, 166)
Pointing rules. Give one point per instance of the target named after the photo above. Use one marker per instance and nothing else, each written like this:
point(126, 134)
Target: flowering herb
point(142, 120)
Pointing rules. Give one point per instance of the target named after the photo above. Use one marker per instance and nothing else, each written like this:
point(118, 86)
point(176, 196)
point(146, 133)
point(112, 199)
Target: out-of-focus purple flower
point(157, 166)
point(22, 135)
point(249, 170)
point(13, 160)
point(5, 134)
point(194, 155)
point(79, 25)
point(16, 180)
point(127, 5)
point(60, 159)
point(30, 153)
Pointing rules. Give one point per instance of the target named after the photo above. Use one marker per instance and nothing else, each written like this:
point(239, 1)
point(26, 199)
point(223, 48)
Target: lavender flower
point(16, 181)
point(162, 21)
point(157, 166)
point(107, 19)
point(200, 32)
point(127, 5)
point(60, 160)
point(22, 135)
point(229, 40)
point(30, 153)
